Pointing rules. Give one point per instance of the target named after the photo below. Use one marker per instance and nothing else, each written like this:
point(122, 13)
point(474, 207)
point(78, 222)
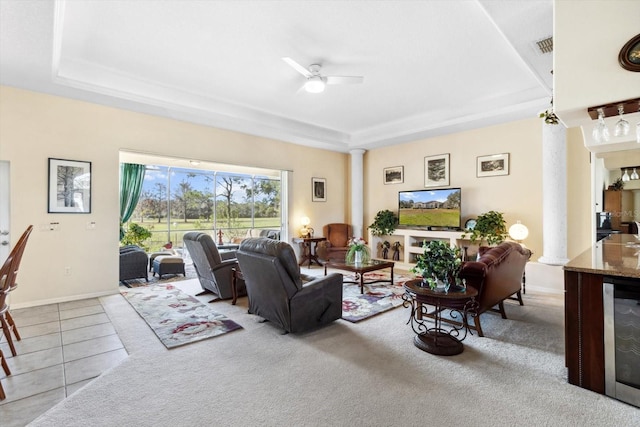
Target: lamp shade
point(305, 221)
point(518, 231)
point(314, 84)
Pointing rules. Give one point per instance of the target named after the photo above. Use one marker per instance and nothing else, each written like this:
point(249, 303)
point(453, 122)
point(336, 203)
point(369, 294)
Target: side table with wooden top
point(236, 275)
point(309, 249)
point(436, 339)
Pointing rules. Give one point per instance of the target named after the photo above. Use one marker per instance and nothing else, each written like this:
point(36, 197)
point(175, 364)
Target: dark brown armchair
point(336, 245)
point(497, 275)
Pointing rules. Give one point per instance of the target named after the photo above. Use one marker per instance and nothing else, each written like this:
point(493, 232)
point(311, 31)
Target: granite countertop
point(616, 255)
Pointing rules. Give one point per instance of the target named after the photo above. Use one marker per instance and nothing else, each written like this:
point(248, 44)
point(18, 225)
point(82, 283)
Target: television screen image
point(430, 208)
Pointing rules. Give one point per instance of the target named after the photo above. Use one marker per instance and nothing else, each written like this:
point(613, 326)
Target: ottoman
point(154, 255)
point(168, 264)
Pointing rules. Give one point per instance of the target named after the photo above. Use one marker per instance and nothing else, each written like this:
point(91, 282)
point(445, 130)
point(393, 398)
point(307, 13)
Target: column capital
point(357, 151)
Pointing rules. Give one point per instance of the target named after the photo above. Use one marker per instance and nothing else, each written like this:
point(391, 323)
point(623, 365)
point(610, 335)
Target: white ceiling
point(429, 67)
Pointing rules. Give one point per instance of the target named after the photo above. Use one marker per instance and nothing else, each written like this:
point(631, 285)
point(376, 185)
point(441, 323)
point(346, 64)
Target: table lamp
point(518, 232)
point(305, 231)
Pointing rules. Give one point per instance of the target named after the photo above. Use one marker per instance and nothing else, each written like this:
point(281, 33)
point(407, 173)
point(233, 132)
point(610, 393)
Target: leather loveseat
point(497, 275)
point(280, 294)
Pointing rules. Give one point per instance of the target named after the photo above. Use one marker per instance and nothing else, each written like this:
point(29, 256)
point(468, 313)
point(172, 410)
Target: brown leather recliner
point(337, 243)
point(497, 275)
point(279, 293)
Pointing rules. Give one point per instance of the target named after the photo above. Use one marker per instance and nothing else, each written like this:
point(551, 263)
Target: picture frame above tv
point(436, 170)
point(433, 209)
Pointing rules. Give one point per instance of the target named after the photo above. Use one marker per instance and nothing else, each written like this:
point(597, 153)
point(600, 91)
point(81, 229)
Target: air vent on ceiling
point(545, 45)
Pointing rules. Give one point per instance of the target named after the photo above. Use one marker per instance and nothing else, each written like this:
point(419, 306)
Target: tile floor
point(64, 346)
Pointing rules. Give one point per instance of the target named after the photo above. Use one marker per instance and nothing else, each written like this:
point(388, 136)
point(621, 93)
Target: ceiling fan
point(315, 81)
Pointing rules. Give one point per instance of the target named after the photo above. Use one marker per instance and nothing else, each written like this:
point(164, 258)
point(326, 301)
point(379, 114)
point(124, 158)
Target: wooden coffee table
point(436, 339)
point(360, 269)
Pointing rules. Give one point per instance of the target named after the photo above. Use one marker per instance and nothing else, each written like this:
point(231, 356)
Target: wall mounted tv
point(430, 208)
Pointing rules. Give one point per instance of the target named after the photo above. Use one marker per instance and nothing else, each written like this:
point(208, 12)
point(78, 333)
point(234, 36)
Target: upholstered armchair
point(214, 273)
point(497, 275)
point(280, 294)
point(133, 263)
point(336, 245)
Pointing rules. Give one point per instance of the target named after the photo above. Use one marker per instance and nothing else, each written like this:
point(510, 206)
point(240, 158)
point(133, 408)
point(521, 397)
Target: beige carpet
point(346, 374)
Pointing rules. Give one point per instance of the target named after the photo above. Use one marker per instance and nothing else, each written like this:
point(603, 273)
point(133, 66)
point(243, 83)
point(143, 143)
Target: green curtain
point(131, 179)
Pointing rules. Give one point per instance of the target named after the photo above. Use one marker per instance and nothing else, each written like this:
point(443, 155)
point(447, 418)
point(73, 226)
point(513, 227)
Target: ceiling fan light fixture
point(314, 84)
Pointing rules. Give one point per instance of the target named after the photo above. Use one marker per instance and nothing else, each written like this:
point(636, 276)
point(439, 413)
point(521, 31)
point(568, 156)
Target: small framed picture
point(493, 165)
point(69, 186)
point(394, 175)
point(436, 171)
point(318, 189)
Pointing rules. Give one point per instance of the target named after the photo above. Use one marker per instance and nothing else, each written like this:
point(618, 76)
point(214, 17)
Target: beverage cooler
point(622, 338)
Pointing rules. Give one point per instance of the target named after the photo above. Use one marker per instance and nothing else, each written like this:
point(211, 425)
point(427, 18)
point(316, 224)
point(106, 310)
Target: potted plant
point(358, 251)
point(439, 264)
point(384, 224)
point(490, 227)
point(136, 235)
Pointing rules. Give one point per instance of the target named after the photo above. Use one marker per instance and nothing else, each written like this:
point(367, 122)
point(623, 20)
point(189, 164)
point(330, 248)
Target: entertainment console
point(411, 243)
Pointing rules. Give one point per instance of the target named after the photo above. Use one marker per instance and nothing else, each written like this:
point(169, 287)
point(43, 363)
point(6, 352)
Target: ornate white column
point(554, 194)
point(357, 192)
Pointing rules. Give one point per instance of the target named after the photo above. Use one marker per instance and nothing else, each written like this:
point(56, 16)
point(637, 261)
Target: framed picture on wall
point(69, 186)
point(436, 170)
point(318, 189)
point(493, 165)
point(629, 57)
point(394, 175)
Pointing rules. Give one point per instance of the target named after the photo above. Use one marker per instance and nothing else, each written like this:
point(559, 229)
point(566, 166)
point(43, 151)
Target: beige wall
point(517, 195)
point(34, 127)
point(587, 38)
point(580, 206)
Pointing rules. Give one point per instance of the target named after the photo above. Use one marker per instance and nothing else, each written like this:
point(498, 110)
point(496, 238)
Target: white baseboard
point(62, 299)
point(545, 278)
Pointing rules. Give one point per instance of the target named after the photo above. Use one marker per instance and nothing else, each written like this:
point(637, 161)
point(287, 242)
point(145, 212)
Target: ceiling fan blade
point(299, 68)
point(344, 80)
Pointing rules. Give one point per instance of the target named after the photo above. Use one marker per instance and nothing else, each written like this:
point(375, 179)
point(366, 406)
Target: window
point(230, 206)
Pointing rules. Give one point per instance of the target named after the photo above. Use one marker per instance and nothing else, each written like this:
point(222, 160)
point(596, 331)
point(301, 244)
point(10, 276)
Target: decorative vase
point(442, 285)
point(357, 257)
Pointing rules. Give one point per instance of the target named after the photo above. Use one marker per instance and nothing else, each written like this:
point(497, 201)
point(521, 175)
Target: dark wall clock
point(629, 56)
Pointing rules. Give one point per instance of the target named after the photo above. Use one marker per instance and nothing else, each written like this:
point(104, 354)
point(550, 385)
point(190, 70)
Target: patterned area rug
point(175, 317)
point(377, 297)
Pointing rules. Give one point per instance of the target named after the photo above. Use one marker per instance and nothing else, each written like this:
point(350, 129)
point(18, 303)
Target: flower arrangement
point(439, 262)
point(358, 250)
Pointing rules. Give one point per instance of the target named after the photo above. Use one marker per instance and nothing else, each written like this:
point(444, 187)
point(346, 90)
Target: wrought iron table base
point(435, 339)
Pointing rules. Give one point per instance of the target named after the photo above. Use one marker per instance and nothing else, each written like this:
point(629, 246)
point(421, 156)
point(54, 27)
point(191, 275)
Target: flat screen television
point(438, 208)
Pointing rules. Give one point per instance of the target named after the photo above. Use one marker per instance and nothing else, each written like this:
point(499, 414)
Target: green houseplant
point(136, 235)
point(490, 227)
point(384, 224)
point(439, 264)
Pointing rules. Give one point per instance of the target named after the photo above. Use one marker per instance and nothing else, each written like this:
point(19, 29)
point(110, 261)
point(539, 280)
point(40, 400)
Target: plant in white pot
point(439, 264)
point(358, 251)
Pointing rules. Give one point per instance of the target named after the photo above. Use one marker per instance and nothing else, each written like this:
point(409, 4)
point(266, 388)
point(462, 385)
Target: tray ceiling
point(429, 67)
